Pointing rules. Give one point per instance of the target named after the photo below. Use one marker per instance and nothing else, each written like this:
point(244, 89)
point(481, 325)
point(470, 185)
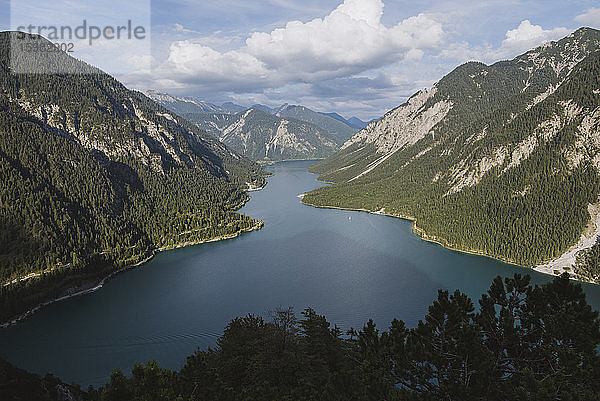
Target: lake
point(347, 265)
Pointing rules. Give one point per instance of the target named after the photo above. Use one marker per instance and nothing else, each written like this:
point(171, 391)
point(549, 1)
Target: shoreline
point(91, 287)
point(588, 238)
point(547, 268)
point(81, 290)
point(265, 163)
point(426, 237)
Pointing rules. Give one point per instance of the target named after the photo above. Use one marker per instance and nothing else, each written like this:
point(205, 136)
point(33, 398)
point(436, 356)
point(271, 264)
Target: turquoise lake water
point(347, 265)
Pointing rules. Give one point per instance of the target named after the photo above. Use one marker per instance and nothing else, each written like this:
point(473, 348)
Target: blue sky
point(356, 57)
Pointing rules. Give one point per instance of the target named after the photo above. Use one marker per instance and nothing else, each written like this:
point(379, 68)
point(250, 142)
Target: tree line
point(520, 342)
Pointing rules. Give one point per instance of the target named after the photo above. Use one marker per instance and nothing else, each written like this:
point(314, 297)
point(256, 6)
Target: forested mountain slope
point(339, 129)
point(501, 160)
point(95, 177)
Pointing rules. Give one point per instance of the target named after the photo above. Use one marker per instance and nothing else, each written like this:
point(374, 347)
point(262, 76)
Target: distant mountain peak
point(353, 122)
point(183, 105)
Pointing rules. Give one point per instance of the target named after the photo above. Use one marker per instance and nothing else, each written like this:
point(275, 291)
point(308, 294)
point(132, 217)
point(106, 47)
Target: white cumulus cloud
point(351, 39)
point(527, 36)
point(591, 17)
point(517, 41)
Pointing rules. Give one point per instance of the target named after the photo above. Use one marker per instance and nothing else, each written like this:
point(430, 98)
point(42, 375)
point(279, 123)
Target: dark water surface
point(350, 266)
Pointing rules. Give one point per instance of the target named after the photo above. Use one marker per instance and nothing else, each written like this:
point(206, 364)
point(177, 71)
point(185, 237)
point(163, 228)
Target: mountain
point(340, 129)
point(95, 177)
point(183, 105)
point(267, 109)
point(232, 108)
point(263, 108)
point(265, 137)
point(357, 123)
point(209, 117)
point(264, 134)
point(305, 123)
point(352, 122)
point(212, 123)
point(500, 160)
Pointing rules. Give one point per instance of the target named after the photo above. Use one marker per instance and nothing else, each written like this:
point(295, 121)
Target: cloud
point(365, 97)
point(591, 17)
point(517, 41)
point(190, 58)
point(527, 36)
point(290, 5)
point(181, 28)
point(350, 40)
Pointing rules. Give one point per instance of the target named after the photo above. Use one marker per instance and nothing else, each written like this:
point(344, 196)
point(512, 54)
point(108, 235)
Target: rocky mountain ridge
point(478, 158)
point(263, 137)
point(265, 134)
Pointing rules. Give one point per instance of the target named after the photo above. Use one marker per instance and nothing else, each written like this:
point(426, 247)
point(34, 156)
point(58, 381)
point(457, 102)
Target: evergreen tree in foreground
point(521, 342)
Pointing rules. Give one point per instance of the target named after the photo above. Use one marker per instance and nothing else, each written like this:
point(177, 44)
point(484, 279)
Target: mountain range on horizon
point(263, 133)
point(188, 104)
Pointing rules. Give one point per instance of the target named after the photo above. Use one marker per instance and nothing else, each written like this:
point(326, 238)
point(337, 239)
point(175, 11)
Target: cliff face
point(339, 129)
point(265, 137)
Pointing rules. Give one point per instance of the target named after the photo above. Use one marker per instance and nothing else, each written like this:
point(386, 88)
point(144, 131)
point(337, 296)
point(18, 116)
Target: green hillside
point(501, 160)
point(95, 177)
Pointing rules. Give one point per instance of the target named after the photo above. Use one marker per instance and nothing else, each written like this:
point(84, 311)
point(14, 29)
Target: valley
point(303, 256)
point(265, 134)
point(333, 200)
